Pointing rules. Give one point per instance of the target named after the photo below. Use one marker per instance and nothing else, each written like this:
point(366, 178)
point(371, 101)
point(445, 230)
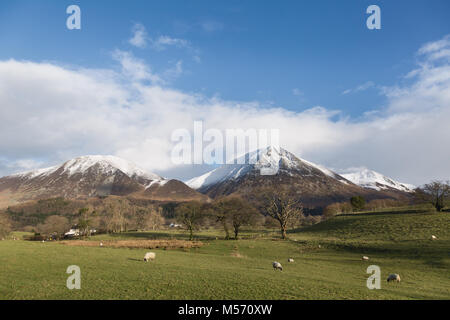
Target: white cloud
point(362, 87)
point(53, 113)
point(175, 71)
point(134, 68)
point(437, 49)
point(162, 42)
point(140, 36)
point(141, 39)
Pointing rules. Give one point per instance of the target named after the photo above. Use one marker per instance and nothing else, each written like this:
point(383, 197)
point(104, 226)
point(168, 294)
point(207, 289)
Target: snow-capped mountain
point(274, 168)
point(373, 180)
point(265, 161)
point(90, 176)
point(82, 165)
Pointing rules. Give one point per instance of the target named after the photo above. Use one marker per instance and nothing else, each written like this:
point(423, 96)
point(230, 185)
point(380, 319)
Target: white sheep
point(393, 277)
point(290, 260)
point(277, 265)
point(101, 244)
point(149, 256)
point(433, 237)
point(365, 258)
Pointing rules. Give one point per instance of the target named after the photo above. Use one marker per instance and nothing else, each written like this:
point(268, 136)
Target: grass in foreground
point(397, 242)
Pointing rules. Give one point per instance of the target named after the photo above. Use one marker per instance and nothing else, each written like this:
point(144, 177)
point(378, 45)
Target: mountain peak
point(373, 180)
point(106, 163)
point(80, 165)
point(271, 160)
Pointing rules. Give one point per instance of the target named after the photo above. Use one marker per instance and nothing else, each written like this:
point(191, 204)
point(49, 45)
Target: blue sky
point(342, 95)
point(293, 54)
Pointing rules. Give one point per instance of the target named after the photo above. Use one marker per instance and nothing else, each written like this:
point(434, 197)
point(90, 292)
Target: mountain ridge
point(315, 184)
point(91, 176)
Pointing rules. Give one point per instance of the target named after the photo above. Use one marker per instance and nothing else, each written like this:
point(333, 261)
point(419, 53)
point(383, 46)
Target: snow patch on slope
point(373, 180)
point(36, 173)
point(159, 183)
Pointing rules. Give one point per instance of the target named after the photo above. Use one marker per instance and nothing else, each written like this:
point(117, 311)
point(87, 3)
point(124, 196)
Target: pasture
point(327, 263)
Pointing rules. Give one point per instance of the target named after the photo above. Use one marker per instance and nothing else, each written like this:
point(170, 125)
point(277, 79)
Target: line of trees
point(115, 214)
point(233, 213)
point(437, 193)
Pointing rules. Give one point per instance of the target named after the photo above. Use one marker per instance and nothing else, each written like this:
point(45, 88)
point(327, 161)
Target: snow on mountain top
point(108, 164)
point(270, 157)
point(371, 179)
point(225, 172)
point(36, 173)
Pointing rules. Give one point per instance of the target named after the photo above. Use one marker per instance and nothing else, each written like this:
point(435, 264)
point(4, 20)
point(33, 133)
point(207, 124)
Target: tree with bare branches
point(283, 207)
point(219, 211)
point(190, 214)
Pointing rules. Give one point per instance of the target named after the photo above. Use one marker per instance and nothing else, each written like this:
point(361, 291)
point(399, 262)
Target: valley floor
point(396, 242)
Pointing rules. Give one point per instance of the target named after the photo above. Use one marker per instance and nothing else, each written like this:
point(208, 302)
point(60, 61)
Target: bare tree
point(219, 211)
point(153, 218)
point(240, 213)
point(190, 214)
point(435, 192)
point(283, 207)
point(116, 211)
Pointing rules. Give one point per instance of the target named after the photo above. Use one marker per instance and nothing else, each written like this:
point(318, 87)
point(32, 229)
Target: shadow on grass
point(429, 254)
point(408, 211)
point(181, 235)
point(134, 259)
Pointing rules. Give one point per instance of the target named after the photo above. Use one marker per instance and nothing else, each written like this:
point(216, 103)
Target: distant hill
point(373, 180)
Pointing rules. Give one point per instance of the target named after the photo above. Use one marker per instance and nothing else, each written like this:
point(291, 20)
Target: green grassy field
point(398, 242)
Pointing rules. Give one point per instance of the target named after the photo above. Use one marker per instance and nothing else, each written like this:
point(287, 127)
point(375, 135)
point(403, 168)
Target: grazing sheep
point(393, 277)
point(101, 244)
point(319, 246)
point(277, 265)
point(290, 260)
point(433, 237)
point(149, 256)
point(365, 258)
